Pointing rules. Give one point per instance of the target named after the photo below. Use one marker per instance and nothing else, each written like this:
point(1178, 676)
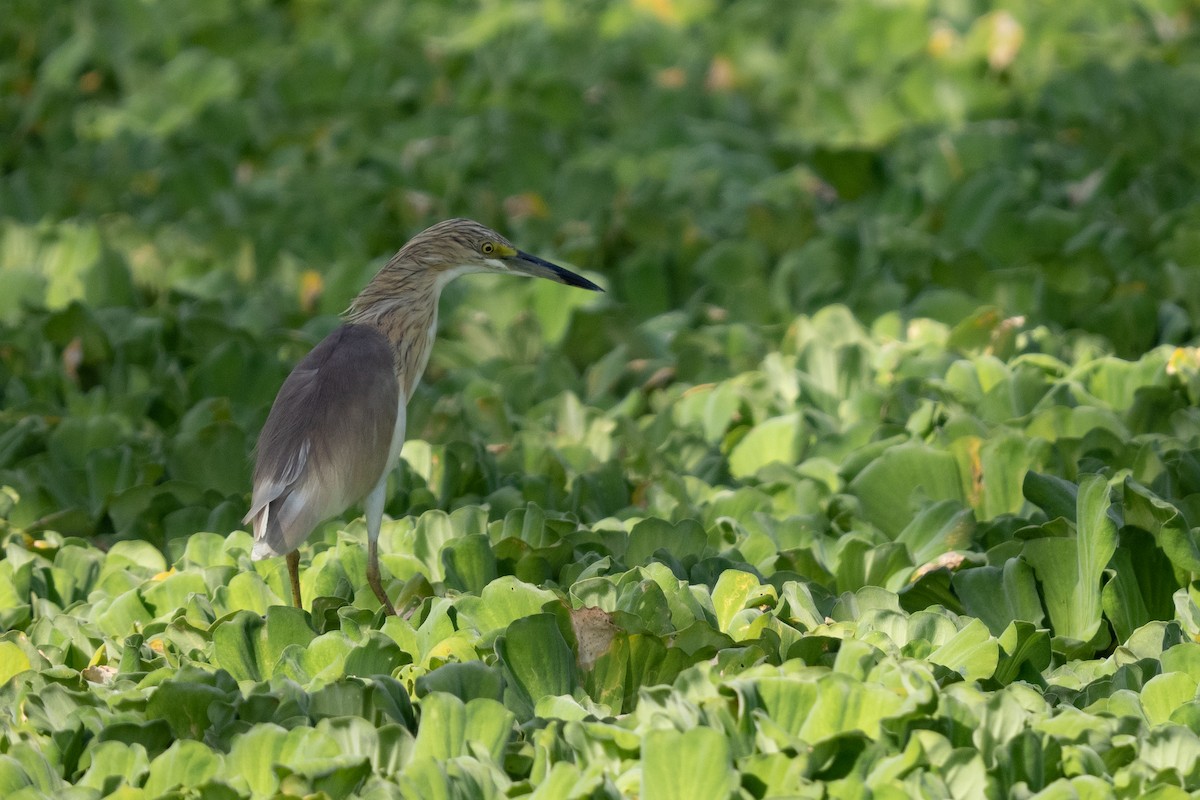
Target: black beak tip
point(571, 279)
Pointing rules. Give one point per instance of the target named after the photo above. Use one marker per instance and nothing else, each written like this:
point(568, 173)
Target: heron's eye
point(488, 248)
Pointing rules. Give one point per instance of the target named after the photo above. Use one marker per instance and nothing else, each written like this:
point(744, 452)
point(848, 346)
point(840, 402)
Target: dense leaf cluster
point(875, 473)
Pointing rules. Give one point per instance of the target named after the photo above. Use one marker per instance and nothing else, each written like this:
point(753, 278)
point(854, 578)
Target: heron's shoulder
point(358, 346)
point(348, 377)
point(351, 358)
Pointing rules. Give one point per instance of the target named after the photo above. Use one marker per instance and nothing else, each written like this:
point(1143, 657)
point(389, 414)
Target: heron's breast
point(397, 433)
point(421, 353)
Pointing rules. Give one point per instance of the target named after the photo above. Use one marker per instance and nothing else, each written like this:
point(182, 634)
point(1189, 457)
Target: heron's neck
point(402, 305)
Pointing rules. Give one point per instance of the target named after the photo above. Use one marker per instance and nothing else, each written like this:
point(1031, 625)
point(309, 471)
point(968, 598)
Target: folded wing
point(326, 441)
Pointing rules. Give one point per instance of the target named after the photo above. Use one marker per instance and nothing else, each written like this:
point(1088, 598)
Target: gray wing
point(326, 441)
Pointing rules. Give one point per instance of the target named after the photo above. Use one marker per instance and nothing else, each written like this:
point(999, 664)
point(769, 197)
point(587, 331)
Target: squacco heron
point(336, 427)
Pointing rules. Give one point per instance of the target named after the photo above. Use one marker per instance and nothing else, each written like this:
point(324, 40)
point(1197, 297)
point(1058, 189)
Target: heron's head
point(460, 246)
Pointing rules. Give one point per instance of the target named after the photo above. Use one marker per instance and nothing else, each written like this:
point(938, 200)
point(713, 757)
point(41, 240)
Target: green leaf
point(788, 702)
point(211, 457)
point(1000, 595)
point(13, 661)
point(775, 440)
point(735, 591)
point(465, 681)
point(937, 529)
point(435, 530)
point(286, 626)
point(1122, 598)
point(13, 777)
point(166, 595)
point(861, 564)
point(651, 663)
point(844, 705)
point(248, 591)
point(1151, 513)
point(249, 647)
point(207, 550)
point(1054, 495)
point(186, 764)
point(110, 765)
point(893, 487)
point(537, 662)
point(682, 539)
point(1070, 569)
point(1164, 693)
point(450, 728)
point(253, 756)
point(502, 602)
point(1171, 747)
point(1184, 657)
point(469, 563)
point(124, 615)
point(190, 708)
point(376, 655)
point(709, 408)
point(1026, 652)
point(972, 653)
point(319, 661)
point(690, 765)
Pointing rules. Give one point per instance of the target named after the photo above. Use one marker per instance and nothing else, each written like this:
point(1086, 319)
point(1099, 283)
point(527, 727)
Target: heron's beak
point(532, 265)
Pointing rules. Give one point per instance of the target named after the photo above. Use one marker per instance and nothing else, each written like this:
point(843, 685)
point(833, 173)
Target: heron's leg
point(293, 562)
point(374, 511)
